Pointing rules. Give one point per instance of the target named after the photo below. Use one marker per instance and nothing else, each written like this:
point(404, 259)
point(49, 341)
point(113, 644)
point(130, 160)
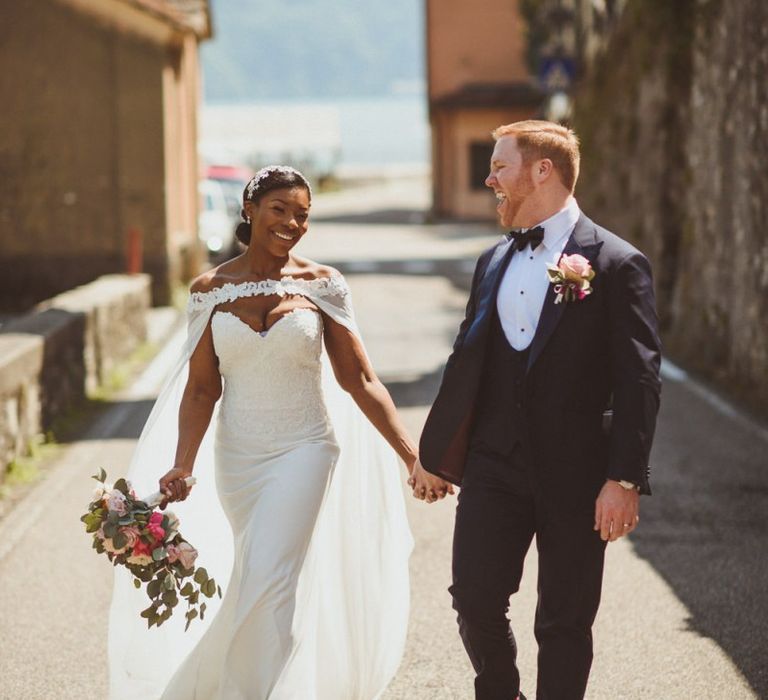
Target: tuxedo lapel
point(491, 280)
point(581, 242)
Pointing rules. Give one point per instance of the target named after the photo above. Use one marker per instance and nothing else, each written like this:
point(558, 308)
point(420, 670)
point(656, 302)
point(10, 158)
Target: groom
point(545, 415)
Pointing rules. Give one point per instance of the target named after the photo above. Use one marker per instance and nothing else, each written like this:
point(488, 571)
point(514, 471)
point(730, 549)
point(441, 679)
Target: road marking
point(361, 266)
point(418, 266)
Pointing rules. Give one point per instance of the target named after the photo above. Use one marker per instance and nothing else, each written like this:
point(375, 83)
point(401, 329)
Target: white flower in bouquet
point(173, 524)
point(116, 502)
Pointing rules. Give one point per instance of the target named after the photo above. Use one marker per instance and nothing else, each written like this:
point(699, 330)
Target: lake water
point(344, 132)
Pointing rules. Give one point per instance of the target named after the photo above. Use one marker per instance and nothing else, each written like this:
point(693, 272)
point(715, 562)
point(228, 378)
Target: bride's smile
point(279, 219)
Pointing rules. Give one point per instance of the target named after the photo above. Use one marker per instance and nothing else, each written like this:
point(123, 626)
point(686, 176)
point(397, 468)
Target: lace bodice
point(272, 379)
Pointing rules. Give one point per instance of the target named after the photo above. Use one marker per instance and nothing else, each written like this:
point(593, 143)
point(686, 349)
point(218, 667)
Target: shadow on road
point(415, 392)
point(89, 420)
point(705, 528)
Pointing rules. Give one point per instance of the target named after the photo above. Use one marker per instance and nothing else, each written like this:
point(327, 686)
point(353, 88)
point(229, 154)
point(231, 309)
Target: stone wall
point(97, 139)
point(673, 117)
point(52, 357)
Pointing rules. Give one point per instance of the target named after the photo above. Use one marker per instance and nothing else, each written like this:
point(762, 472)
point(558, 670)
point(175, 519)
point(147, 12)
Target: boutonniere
point(571, 276)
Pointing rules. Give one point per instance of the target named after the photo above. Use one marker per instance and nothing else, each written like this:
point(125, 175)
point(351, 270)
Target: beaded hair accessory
point(253, 186)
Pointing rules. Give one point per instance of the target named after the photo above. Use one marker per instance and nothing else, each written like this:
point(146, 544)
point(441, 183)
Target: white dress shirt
point(524, 286)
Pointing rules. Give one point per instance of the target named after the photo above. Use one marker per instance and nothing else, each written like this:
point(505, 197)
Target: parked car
point(216, 225)
point(233, 179)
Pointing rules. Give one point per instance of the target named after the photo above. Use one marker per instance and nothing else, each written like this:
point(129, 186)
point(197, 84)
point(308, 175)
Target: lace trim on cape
point(321, 287)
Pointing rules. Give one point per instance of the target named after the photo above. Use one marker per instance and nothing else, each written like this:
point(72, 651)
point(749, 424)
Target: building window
point(479, 163)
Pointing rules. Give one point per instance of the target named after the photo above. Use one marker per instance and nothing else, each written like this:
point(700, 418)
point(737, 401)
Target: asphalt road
point(684, 606)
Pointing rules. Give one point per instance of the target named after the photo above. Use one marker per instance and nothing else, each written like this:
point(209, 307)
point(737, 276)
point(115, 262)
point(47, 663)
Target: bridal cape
point(349, 620)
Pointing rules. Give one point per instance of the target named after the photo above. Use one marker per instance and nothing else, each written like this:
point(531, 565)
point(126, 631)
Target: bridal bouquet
point(147, 542)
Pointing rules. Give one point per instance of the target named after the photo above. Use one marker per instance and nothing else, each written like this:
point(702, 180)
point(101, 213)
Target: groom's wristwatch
point(628, 485)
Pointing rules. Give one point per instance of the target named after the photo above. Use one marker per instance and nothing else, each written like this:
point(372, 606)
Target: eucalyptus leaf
point(159, 553)
point(168, 583)
point(209, 588)
point(187, 588)
point(122, 486)
point(119, 540)
point(201, 575)
point(137, 583)
point(153, 588)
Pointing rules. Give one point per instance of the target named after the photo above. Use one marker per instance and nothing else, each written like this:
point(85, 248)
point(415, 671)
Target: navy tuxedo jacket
point(591, 390)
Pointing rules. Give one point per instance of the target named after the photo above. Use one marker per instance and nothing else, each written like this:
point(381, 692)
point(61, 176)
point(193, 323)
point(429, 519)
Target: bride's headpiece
point(252, 188)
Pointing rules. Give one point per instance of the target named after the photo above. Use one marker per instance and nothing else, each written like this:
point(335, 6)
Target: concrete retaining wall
point(52, 357)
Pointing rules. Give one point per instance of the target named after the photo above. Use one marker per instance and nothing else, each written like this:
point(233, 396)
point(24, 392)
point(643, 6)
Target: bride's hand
point(428, 487)
point(173, 486)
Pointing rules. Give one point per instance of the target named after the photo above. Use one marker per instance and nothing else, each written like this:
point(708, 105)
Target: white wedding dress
point(316, 604)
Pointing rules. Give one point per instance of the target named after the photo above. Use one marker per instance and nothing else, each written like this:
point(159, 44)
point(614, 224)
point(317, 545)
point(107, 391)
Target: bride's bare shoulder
point(215, 277)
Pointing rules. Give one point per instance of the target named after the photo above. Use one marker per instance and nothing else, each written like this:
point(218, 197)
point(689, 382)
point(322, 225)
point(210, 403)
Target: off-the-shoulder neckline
point(275, 280)
point(322, 286)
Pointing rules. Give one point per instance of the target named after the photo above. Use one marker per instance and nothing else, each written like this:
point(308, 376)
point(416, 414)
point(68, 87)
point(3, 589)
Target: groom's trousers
point(496, 520)
point(500, 510)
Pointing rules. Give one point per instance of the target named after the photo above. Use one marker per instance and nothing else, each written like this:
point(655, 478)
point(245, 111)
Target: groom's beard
point(517, 194)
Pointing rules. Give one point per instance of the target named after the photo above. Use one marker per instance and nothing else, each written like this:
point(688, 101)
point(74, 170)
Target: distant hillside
point(273, 49)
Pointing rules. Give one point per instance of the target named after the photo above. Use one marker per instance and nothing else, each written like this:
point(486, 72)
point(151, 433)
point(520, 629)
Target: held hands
point(428, 487)
point(173, 486)
point(616, 511)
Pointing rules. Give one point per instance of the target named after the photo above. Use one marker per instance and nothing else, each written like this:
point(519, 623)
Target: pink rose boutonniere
point(571, 276)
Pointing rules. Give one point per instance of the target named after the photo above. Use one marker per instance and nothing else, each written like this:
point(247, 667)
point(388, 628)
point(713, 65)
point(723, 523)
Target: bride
point(316, 552)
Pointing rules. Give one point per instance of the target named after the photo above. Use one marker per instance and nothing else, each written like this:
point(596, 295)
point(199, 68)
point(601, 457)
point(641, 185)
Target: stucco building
point(98, 142)
point(478, 78)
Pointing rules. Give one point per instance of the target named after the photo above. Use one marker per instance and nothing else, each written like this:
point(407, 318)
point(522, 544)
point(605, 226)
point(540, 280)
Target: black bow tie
point(521, 238)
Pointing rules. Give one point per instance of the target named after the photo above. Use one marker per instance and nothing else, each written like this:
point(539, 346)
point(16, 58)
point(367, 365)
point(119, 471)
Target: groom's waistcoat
point(499, 419)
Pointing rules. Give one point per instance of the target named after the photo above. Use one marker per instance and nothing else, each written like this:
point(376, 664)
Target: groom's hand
point(428, 487)
point(616, 511)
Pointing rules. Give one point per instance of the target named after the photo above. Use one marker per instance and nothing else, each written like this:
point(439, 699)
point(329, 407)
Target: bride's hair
point(273, 177)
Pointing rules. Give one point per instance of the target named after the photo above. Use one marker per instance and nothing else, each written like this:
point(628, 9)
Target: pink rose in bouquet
point(187, 555)
point(141, 554)
point(155, 528)
point(148, 543)
point(131, 534)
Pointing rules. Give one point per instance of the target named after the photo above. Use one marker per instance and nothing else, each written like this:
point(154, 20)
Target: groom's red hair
point(537, 139)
